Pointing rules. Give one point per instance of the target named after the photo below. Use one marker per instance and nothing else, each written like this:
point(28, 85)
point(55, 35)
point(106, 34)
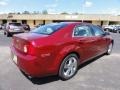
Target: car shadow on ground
point(90, 61)
point(49, 79)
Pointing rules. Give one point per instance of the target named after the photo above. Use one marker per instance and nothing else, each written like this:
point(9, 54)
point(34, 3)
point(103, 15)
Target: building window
point(24, 21)
point(87, 21)
point(4, 21)
point(112, 23)
point(14, 20)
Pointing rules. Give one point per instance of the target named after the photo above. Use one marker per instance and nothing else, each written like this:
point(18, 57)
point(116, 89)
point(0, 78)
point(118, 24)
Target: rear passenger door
point(84, 36)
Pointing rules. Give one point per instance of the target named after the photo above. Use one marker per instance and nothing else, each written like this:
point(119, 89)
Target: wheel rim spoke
point(70, 67)
point(72, 71)
point(70, 62)
point(67, 72)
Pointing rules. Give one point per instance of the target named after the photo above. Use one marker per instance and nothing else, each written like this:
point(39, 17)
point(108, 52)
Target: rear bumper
point(28, 64)
point(15, 32)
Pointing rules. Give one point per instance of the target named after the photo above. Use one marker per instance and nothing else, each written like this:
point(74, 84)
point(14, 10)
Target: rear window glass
point(15, 24)
point(49, 28)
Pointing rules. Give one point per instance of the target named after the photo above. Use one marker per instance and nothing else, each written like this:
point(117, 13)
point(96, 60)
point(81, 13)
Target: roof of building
point(98, 17)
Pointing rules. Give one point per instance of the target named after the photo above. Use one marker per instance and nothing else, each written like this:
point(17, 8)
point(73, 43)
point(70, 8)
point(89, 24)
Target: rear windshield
point(49, 28)
point(15, 24)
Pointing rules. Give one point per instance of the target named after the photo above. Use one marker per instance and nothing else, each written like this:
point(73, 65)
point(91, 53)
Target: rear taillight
point(25, 48)
point(29, 49)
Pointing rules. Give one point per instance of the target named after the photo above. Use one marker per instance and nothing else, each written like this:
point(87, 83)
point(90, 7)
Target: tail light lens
point(29, 49)
point(25, 48)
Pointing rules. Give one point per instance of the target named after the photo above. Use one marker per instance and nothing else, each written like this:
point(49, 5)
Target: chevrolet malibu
point(59, 48)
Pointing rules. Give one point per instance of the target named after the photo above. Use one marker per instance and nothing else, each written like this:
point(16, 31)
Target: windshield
point(49, 28)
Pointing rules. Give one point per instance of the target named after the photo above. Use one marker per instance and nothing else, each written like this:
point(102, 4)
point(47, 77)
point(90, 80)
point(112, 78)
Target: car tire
point(69, 67)
point(4, 33)
point(8, 34)
point(107, 30)
point(109, 49)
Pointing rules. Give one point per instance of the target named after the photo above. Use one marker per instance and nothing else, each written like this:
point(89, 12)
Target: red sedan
point(59, 48)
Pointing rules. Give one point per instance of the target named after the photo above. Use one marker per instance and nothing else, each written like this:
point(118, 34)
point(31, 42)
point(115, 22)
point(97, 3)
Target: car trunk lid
point(24, 41)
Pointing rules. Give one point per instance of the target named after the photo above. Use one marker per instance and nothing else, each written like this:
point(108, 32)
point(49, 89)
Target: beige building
point(35, 19)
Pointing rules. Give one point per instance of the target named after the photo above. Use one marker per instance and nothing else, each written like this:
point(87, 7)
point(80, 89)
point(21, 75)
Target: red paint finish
point(41, 55)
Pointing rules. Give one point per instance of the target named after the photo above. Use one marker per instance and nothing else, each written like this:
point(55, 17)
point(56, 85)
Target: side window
point(98, 31)
point(82, 31)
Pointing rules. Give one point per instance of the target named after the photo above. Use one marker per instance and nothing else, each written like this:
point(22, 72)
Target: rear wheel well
point(69, 54)
point(77, 54)
point(66, 58)
point(73, 53)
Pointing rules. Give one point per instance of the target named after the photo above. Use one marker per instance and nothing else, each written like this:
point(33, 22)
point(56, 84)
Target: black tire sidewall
point(8, 34)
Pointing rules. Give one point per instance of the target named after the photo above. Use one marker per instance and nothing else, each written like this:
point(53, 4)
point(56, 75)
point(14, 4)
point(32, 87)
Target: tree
point(75, 13)
point(11, 13)
point(36, 12)
point(64, 13)
point(26, 12)
point(18, 13)
point(44, 12)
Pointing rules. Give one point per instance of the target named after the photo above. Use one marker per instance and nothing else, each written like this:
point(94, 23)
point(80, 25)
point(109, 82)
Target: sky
point(58, 6)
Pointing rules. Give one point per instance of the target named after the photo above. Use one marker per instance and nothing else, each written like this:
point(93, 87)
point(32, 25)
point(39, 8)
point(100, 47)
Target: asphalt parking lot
point(101, 74)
